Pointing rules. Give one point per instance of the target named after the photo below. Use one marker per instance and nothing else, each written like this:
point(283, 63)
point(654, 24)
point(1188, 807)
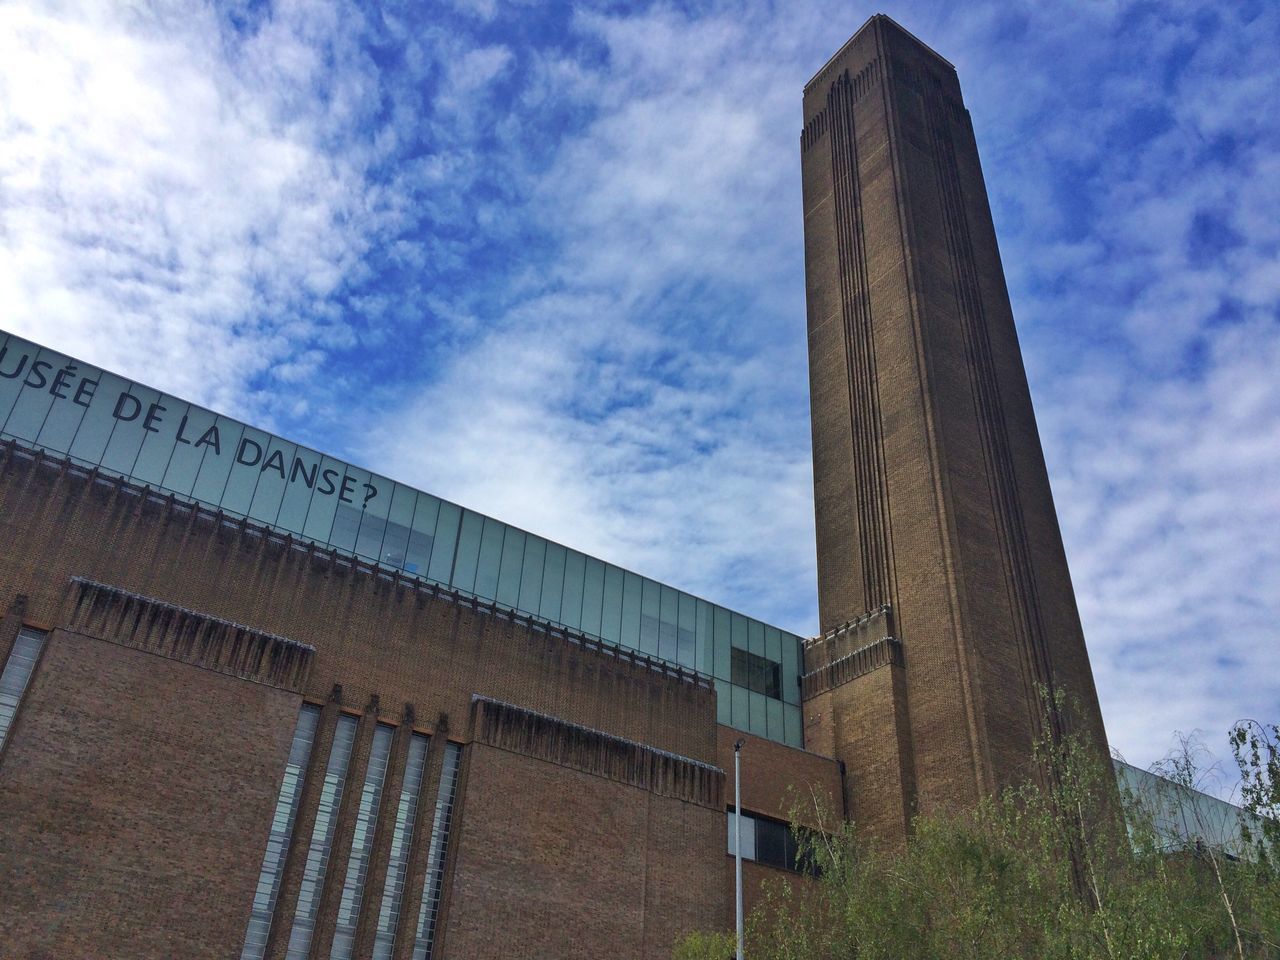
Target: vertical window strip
point(344, 938)
point(335, 776)
point(384, 939)
point(295, 772)
point(17, 674)
point(432, 887)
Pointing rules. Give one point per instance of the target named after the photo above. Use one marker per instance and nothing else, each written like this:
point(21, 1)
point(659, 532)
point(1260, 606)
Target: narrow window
point(17, 673)
point(264, 897)
point(344, 938)
point(434, 883)
point(335, 777)
point(771, 844)
point(384, 938)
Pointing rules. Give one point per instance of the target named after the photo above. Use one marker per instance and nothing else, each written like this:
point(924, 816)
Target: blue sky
point(545, 260)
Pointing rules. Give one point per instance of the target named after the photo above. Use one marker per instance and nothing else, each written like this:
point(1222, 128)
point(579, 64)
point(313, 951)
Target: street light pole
point(737, 837)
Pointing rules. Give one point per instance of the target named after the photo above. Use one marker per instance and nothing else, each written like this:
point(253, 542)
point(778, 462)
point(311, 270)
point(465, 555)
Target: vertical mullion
point(344, 939)
point(401, 844)
point(280, 835)
point(433, 883)
point(313, 873)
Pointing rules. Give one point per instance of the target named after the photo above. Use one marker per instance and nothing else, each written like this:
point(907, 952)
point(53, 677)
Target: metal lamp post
point(737, 837)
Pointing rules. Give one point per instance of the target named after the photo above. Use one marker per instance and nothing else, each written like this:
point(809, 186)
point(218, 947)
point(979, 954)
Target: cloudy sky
point(545, 260)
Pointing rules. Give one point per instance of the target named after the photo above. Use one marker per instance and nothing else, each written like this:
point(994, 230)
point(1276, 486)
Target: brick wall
point(142, 773)
point(931, 493)
point(615, 865)
point(135, 797)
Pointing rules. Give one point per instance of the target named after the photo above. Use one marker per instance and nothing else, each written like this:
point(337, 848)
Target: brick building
point(259, 702)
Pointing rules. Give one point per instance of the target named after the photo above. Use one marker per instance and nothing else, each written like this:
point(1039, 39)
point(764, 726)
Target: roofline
point(857, 33)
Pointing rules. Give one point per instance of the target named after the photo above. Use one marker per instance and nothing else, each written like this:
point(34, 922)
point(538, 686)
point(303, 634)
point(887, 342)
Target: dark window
point(770, 842)
point(756, 673)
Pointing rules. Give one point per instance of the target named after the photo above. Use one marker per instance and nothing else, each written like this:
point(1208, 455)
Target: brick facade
point(141, 776)
point(932, 498)
point(128, 790)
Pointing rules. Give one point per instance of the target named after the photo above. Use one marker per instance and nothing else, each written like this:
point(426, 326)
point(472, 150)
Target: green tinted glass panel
point(157, 447)
point(741, 700)
point(632, 593)
point(447, 548)
point(650, 611)
point(724, 703)
point(611, 614)
point(464, 568)
point(721, 637)
point(593, 597)
point(531, 576)
point(512, 562)
point(63, 420)
point(98, 419)
point(273, 479)
point(552, 583)
point(490, 559)
point(395, 543)
point(190, 446)
point(15, 356)
point(574, 586)
point(35, 400)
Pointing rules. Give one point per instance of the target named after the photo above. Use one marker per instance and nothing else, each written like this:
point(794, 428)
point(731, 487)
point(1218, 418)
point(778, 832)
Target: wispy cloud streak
point(547, 261)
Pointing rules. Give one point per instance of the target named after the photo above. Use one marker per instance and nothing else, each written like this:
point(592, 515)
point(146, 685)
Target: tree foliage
point(1257, 751)
point(1067, 868)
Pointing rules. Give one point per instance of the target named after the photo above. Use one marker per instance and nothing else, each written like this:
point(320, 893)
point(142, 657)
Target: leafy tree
point(1257, 751)
point(1066, 869)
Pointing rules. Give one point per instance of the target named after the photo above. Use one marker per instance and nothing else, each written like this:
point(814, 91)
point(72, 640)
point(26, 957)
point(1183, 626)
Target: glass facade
point(313, 872)
point(344, 938)
point(17, 673)
point(433, 885)
point(384, 938)
point(53, 402)
point(295, 772)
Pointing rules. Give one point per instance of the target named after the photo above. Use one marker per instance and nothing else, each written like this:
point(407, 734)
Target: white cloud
point(596, 324)
point(685, 185)
point(170, 212)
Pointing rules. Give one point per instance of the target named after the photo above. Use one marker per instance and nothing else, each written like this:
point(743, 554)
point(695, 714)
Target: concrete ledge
point(533, 734)
point(115, 615)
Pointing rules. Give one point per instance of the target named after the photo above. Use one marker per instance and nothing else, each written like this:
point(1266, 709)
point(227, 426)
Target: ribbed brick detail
point(145, 623)
point(851, 666)
point(534, 734)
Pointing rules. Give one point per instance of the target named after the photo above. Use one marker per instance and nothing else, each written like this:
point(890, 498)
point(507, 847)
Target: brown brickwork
point(775, 776)
point(374, 632)
point(931, 492)
point(135, 795)
point(551, 861)
point(186, 644)
point(781, 783)
point(140, 777)
point(11, 623)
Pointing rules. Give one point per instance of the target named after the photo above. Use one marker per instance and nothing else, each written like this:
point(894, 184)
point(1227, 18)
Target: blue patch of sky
point(459, 240)
point(1211, 235)
point(1010, 27)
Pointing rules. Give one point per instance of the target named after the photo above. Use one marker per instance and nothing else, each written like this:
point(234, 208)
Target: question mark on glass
point(370, 492)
